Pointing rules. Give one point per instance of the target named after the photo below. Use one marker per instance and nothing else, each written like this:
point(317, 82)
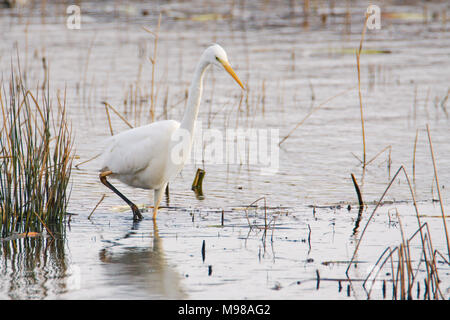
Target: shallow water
point(404, 84)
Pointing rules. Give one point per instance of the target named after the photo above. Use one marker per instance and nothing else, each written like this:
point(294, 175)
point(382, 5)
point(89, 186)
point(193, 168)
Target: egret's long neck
point(195, 95)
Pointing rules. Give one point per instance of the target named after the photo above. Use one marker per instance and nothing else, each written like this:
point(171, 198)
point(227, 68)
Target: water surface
point(291, 64)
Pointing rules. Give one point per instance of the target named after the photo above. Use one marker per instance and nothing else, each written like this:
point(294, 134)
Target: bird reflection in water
point(141, 272)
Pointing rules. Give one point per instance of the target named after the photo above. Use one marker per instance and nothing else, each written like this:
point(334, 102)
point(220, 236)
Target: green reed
point(35, 160)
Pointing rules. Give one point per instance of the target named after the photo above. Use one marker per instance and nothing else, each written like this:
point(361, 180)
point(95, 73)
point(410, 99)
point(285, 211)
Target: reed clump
point(35, 160)
point(408, 263)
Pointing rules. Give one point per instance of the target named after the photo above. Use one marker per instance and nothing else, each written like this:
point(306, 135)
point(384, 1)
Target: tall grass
point(35, 160)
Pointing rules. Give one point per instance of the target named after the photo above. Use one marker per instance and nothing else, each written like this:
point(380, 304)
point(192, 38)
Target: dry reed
point(36, 159)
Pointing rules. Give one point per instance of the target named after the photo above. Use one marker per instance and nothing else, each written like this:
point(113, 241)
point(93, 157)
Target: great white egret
point(143, 157)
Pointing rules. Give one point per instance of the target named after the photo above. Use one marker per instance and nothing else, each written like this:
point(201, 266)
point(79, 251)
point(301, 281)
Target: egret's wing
point(131, 151)
point(128, 157)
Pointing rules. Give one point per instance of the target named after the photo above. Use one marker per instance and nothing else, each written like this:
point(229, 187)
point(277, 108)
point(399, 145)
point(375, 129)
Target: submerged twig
point(309, 239)
point(358, 192)
point(203, 250)
point(95, 208)
point(361, 204)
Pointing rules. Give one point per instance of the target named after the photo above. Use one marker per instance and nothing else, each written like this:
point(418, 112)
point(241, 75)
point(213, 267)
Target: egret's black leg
point(136, 213)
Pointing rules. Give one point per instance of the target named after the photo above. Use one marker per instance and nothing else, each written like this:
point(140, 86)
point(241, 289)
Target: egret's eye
point(217, 58)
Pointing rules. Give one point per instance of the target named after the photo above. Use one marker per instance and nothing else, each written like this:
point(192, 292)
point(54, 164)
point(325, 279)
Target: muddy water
point(291, 64)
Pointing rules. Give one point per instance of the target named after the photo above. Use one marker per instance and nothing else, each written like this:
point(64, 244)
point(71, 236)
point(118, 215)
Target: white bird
point(148, 156)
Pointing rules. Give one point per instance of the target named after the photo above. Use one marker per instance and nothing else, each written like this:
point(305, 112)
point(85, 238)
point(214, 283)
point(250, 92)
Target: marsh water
point(292, 63)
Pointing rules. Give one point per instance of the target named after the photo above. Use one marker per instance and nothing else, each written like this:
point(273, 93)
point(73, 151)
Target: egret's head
point(216, 56)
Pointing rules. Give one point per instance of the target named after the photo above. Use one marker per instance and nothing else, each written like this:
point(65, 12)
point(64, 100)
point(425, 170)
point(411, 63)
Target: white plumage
point(148, 156)
point(138, 157)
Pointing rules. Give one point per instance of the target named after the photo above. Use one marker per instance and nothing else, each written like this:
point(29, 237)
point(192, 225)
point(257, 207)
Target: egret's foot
point(137, 216)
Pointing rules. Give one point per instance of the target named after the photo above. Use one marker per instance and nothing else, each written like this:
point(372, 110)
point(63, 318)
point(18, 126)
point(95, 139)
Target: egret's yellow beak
point(230, 70)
